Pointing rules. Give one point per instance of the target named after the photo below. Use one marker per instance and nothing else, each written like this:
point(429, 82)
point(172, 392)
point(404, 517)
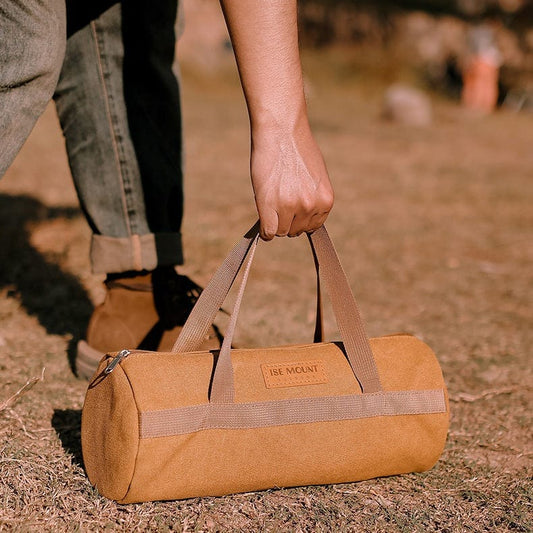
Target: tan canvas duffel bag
point(160, 426)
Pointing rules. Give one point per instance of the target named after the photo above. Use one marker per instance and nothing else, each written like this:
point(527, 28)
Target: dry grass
point(434, 228)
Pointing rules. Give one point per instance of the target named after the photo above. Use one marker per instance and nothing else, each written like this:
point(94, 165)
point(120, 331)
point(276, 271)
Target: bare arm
point(292, 190)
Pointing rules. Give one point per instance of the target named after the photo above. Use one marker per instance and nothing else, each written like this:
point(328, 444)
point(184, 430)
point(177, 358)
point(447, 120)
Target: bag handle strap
point(319, 320)
point(223, 385)
point(358, 351)
point(213, 295)
point(347, 315)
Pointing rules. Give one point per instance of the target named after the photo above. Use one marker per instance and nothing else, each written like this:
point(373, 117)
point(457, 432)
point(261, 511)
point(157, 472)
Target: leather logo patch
point(294, 374)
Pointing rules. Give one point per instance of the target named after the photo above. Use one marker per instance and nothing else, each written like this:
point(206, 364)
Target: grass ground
point(434, 227)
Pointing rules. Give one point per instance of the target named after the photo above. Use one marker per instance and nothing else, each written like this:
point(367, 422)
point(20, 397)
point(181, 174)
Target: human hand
point(293, 193)
point(292, 190)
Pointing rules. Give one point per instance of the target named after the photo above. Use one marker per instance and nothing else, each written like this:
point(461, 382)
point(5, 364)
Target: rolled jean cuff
point(136, 252)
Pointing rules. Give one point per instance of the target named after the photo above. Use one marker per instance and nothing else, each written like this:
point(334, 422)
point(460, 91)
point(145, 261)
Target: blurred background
point(477, 51)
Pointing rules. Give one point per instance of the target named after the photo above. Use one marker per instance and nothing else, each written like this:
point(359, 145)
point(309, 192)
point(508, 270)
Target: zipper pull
point(116, 360)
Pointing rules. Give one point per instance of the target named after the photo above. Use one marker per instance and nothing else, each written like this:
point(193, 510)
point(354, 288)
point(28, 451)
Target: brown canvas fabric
point(110, 438)
point(151, 430)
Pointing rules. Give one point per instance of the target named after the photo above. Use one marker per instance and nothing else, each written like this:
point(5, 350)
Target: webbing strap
point(347, 314)
point(189, 419)
point(358, 351)
point(212, 297)
point(223, 387)
point(210, 301)
point(319, 322)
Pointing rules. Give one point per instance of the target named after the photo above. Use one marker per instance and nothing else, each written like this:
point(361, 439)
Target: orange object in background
point(480, 84)
point(480, 75)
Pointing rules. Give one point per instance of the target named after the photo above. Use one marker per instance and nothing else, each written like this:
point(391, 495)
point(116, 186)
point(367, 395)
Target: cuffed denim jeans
point(108, 66)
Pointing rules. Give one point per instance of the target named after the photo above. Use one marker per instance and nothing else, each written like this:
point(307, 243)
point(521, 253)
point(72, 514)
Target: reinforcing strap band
point(190, 419)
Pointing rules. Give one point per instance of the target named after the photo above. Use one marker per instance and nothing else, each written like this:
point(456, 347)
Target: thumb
point(268, 219)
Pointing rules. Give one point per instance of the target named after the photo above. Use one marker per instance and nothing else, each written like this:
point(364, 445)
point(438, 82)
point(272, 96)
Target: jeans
point(108, 66)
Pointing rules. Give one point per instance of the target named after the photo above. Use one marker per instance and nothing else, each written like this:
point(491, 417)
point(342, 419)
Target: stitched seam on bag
point(191, 419)
point(311, 399)
point(139, 424)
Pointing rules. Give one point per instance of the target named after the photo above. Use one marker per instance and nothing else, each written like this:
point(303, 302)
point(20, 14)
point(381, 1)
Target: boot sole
point(87, 360)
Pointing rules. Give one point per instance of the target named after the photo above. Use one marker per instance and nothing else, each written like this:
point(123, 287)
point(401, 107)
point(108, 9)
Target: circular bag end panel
point(110, 433)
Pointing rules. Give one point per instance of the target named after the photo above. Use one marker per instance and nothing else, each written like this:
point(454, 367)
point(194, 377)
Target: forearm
point(290, 181)
point(265, 40)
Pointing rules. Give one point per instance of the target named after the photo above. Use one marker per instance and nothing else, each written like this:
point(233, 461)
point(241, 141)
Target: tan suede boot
point(140, 312)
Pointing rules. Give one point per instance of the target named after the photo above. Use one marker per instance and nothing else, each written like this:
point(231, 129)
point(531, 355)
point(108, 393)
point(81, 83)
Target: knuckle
point(306, 206)
point(327, 201)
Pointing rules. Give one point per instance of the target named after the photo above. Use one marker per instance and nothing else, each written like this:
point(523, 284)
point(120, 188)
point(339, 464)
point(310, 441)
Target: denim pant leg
point(32, 45)
point(120, 113)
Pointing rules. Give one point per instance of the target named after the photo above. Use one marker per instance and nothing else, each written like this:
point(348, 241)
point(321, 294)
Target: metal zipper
point(116, 360)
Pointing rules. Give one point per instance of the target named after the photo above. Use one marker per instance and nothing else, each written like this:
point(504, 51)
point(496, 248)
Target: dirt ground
point(434, 228)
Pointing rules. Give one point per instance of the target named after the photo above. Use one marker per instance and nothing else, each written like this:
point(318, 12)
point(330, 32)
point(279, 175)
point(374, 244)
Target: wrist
point(279, 120)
